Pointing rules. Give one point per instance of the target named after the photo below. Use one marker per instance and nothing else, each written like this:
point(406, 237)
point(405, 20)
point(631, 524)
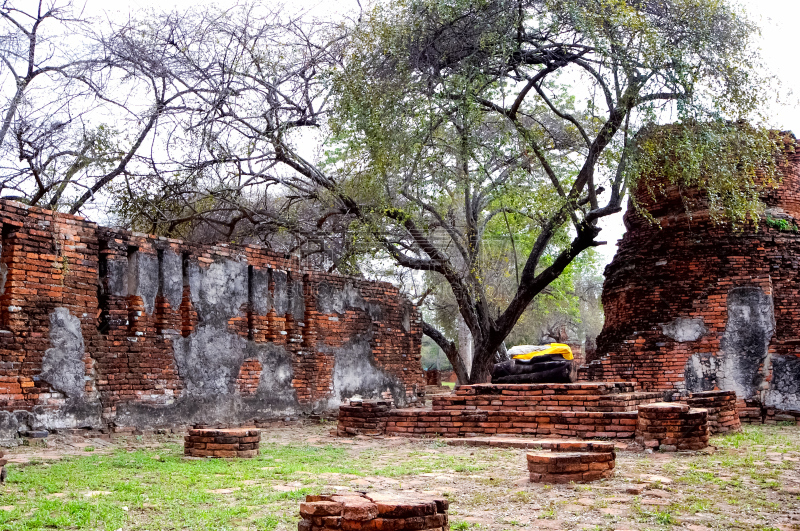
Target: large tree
point(452, 119)
point(454, 112)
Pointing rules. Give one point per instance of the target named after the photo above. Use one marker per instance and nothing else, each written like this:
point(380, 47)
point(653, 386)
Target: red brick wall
point(129, 333)
point(688, 269)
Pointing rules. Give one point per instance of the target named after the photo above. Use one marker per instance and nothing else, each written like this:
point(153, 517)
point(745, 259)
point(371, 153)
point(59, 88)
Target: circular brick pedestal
point(721, 405)
point(222, 442)
point(670, 426)
point(567, 461)
point(367, 417)
point(373, 511)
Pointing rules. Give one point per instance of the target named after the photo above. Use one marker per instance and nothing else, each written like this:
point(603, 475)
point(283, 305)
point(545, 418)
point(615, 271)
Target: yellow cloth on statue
point(554, 348)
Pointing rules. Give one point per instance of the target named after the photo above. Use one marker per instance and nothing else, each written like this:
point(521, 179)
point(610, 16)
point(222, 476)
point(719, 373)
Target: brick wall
point(99, 327)
point(693, 307)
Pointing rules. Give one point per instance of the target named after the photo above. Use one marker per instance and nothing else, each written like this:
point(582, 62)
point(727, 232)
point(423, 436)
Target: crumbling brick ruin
point(723, 416)
point(571, 461)
point(101, 328)
point(231, 442)
point(374, 511)
point(490, 413)
point(693, 307)
point(672, 426)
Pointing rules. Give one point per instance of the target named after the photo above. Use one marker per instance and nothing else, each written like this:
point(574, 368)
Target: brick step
point(581, 424)
point(574, 402)
point(527, 443)
point(582, 388)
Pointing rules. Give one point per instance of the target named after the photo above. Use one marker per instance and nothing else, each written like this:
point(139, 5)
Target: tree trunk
point(481, 368)
point(465, 345)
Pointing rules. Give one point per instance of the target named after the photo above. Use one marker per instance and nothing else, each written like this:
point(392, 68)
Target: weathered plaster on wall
point(62, 366)
point(745, 343)
point(143, 278)
point(683, 329)
point(130, 330)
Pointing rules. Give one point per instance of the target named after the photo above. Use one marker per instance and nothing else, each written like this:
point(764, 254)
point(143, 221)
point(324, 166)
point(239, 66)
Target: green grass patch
point(133, 490)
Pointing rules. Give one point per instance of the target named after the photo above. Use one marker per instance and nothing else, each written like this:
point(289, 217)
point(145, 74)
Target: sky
point(778, 19)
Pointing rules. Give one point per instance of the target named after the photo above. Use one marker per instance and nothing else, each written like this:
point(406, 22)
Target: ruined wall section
point(694, 307)
point(104, 327)
point(48, 269)
point(365, 345)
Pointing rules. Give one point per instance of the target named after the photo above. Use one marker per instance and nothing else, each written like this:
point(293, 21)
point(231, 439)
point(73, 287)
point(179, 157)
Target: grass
point(738, 487)
point(145, 490)
point(131, 490)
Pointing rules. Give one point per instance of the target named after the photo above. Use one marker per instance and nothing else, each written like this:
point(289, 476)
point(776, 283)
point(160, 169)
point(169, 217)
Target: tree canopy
point(444, 135)
point(452, 113)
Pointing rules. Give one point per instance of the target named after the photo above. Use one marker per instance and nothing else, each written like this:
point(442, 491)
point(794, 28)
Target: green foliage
point(729, 162)
point(782, 225)
point(151, 204)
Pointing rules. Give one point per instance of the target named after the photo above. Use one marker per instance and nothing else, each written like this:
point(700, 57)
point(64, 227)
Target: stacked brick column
point(671, 427)
point(204, 442)
point(571, 461)
point(373, 512)
point(363, 418)
point(721, 405)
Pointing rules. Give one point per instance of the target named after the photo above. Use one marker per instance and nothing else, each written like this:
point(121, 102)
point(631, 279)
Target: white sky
point(779, 20)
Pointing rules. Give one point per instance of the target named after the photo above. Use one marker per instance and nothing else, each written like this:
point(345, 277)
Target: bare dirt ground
point(747, 481)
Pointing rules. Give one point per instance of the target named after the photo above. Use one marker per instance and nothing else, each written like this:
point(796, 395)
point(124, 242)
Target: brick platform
point(584, 424)
point(672, 426)
point(582, 410)
point(374, 512)
point(542, 410)
point(363, 418)
point(750, 415)
point(205, 442)
point(433, 390)
point(571, 461)
point(767, 415)
point(721, 406)
point(774, 416)
point(603, 396)
point(525, 443)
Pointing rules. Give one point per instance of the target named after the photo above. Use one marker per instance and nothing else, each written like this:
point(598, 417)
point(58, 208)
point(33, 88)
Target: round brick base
point(373, 511)
point(671, 426)
point(222, 443)
point(363, 417)
point(723, 416)
point(564, 467)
